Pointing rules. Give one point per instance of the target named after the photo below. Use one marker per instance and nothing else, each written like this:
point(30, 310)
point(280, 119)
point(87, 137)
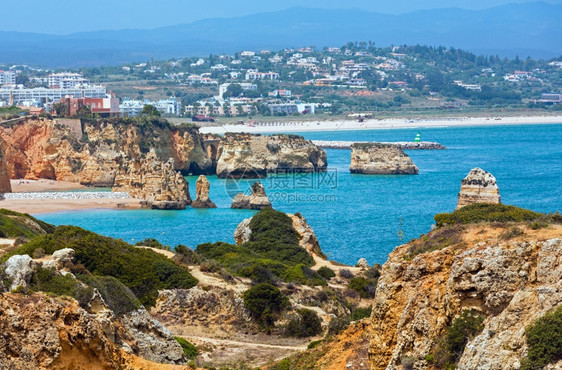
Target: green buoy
point(417, 139)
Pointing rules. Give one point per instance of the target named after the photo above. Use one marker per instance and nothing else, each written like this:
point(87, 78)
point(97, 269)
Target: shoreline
point(377, 124)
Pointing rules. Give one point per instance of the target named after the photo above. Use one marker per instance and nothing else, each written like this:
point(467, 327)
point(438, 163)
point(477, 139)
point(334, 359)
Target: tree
point(150, 110)
point(233, 90)
point(60, 109)
point(265, 302)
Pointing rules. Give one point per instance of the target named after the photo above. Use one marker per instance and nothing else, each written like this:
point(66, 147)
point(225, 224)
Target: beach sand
point(58, 205)
point(373, 124)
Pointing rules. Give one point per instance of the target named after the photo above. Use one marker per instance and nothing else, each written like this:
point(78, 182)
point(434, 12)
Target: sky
point(68, 16)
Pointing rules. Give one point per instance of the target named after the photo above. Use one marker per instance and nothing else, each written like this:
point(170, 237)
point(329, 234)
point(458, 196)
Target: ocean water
point(367, 216)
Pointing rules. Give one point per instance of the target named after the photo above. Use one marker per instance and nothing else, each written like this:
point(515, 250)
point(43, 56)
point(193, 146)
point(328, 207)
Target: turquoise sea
point(358, 216)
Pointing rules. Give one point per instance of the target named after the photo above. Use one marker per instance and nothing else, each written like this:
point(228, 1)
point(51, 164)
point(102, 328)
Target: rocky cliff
point(253, 156)
point(508, 278)
point(154, 181)
point(380, 159)
point(256, 200)
point(43, 148)
point(202, 187)
point(5, 186)
point(478, 186)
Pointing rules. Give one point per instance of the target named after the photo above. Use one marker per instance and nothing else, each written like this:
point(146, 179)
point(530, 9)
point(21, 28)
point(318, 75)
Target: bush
point(187, 255)
point(544, 338)
point(141, 270)
point(189, 350)
point(361, 313)
point(338, 325)
point(152, 243)
point(365, 287)
point(346, 274)
point(305, 324)
point(48, 280)
point(450, 348)
point(435, 240)
point(265, 302)
point(15, 224)
point(326, 273)
point(116, 295)
point(511, 233)
point(484, 212)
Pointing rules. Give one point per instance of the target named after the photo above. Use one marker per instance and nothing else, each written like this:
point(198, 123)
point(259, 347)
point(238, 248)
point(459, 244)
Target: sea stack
point(257, 200)
point(155, 182)
point(380, 159)
point(202, 187)
point(478, 186)
point(5, 186)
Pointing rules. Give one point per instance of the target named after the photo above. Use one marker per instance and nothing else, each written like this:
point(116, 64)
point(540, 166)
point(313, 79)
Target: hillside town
point(357, 77)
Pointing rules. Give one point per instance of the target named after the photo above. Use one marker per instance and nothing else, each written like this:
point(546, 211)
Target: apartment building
point(42, 94)
point(7, 78)
point(66, 80)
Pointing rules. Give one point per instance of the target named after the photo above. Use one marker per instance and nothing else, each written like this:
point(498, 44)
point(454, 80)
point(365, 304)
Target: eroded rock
point(257, 200)
point(19, 269)
point(478, 186)
point(380, 159)
point(202, 187)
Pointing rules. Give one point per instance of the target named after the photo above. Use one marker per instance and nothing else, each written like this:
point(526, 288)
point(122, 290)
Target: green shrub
point(326, 272)
point(484, 212)
point(189, 350)
point(361, 313)
point(511, 233)
point(346, 274)
point(437, 239)
point(338, 325)
point(48, 280)
point(141, 270)
point(544, 338)
point(116, 295)
point(187, 255)
point(365, 287)
point(451, 346)
point(315, 344)
point(265, 302)
point(152, 243)
point(305, 324)
point(14, 224)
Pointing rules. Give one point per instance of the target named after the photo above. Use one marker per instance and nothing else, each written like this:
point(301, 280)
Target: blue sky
point(67, 16)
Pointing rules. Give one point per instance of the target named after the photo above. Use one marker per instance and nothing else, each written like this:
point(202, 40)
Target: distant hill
point(528, 29)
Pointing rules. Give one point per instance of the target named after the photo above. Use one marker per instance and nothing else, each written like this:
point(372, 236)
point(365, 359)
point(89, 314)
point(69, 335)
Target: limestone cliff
point(380, 159)
point(510, 281)
point(202, 187)
point(478, 186)
point(92, 153)
point(5, 186)
point(253, 156)
point(256, 200)
point(154, 181)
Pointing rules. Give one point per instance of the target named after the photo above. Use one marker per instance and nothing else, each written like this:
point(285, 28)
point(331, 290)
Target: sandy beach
point(373, 124)
point(36, 206)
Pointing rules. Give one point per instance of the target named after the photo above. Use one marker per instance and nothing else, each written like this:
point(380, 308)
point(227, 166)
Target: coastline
point(376, 124)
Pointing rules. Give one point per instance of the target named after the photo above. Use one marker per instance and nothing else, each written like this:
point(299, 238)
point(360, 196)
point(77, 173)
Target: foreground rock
point(257, 200)
point(5, 186)
point(202, 187)
point(155, 182)
point(478, 186)
point(380, 159)
point(253, 156)
point(510, 283)
point(307, 237)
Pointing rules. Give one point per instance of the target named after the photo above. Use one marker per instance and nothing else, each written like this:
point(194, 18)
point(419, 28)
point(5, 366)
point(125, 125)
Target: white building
point(7, 78)
point(253, 74)
point(44, 94)
point(134, 107)
point(66, 80)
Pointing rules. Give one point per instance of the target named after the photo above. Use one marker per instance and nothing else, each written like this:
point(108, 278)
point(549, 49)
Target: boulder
point(202, 187)
point(19, 269)
point(478, 186)
point(253, 156)
point(59, 258)
point(257, 200)
point(380, 159)
point(362, 263)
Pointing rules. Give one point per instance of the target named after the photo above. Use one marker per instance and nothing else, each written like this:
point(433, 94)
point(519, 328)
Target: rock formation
point(511, 283)
point(5, 186)
point(253, 156)
point(154, 181)
point(478, 186)
point(19, 270)
point(307, 237)
point(257, 200)
point(202, 187)
point(43, 148)
point(380, 159)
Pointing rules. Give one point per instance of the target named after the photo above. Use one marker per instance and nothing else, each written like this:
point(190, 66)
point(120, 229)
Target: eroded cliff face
point(253, 156)
point(510, 282)
point(5, 186)
point(42, 148)
point(380, 159)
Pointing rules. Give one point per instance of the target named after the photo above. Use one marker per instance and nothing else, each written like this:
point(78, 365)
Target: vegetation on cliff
point(141, 270)
point(265, 302)
point(544, 338)
point(271, 254)
point(14, 224)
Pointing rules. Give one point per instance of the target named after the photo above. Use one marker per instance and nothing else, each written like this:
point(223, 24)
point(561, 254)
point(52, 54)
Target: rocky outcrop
point(307, 237)
point(19, 270)
point(511, 283)
point(43, 148)
point(154, 181)
point(5, 186)
point(478, 186)
point(380, 159)
point(202, 187)
point(257, 200)
point(253, 156)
